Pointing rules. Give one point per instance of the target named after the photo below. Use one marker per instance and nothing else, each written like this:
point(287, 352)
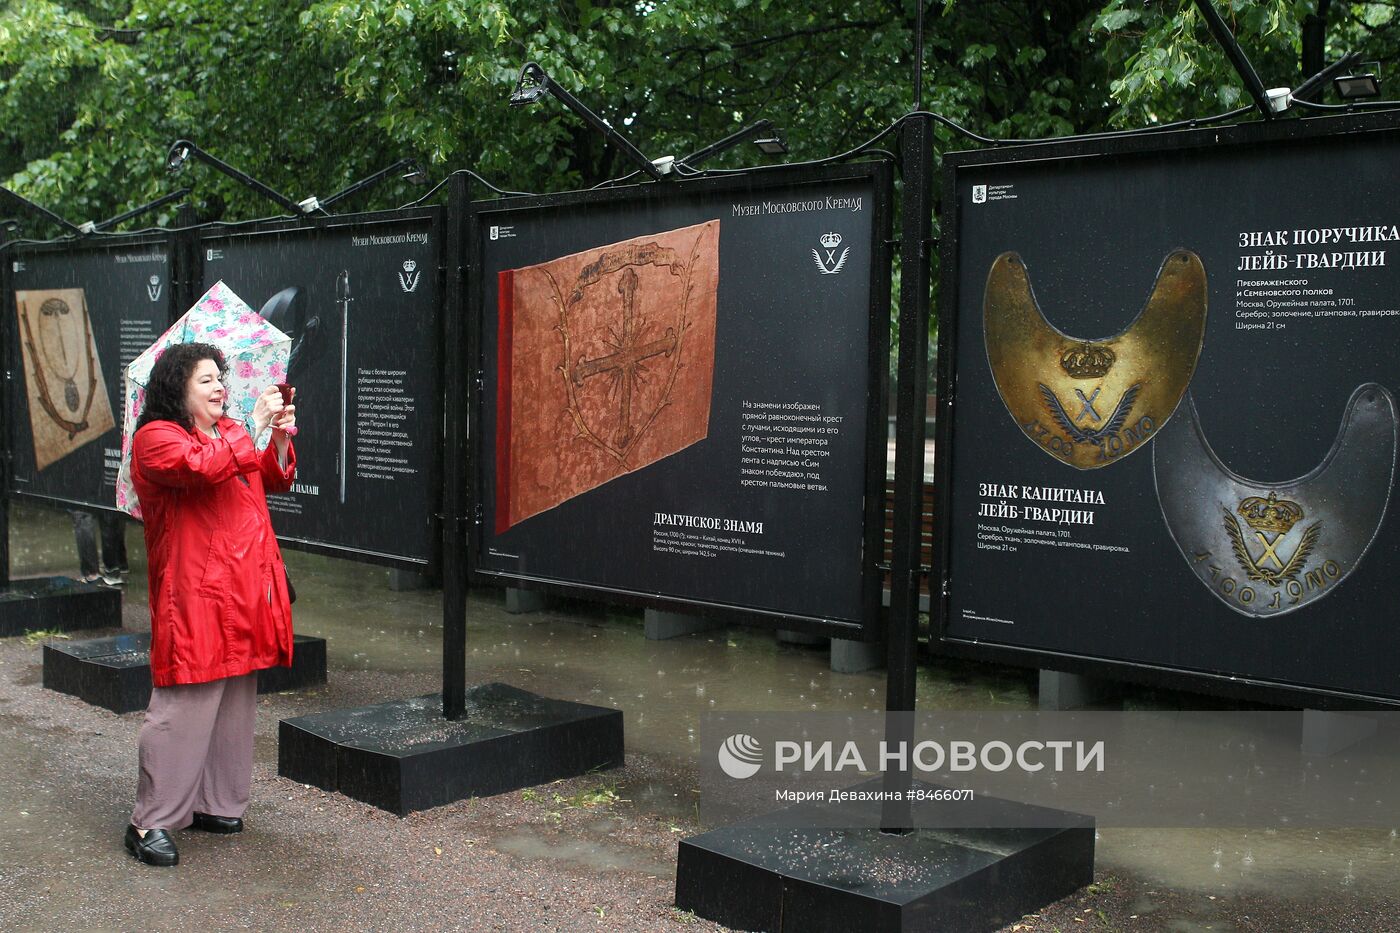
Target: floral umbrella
point(255, 351)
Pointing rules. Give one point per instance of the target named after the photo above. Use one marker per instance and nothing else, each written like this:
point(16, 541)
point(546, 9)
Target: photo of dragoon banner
point(1090, 402)
point(67, 396)
point(1265, 549)
point(606, 360)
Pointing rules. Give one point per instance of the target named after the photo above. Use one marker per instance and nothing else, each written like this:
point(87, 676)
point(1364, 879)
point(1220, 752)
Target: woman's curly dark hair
point(170, 378)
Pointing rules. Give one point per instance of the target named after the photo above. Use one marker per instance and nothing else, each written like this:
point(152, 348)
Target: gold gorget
point(1091, 402)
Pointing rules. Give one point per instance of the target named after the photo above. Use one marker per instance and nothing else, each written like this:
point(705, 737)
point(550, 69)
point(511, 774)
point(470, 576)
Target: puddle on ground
point(590, 854)
point(1303, 863)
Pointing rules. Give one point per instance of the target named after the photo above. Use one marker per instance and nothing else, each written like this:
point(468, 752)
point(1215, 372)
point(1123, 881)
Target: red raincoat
point(218, 591)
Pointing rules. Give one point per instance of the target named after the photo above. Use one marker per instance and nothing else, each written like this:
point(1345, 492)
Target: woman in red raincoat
point(218, 594)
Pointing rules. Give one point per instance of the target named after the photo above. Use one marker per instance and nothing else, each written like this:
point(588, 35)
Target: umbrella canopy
point(255, 351)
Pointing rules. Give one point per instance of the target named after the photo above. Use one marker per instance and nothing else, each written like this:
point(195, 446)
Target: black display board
point(1168, 373)
point(360, 296)
point(64, 413)
point(680, 394)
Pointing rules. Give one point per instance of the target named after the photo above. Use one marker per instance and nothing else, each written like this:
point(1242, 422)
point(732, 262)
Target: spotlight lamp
point(176, 157)
point(1357, 87)
point(534, 84)
point(182, 149)
point(416, 174)
point(772, 145)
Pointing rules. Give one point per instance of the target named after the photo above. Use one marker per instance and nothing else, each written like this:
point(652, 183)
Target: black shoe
point(154, 848)
point(217, 824)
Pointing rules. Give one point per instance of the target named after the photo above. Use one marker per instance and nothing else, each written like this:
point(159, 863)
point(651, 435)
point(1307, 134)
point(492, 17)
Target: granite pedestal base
point(519, 602)
point(115, 673)
point(661, 626)
point(1060, 691)
point(403, 756)
point(851, 657)
point(308, 667)
point(771, 874)
point(46, 604)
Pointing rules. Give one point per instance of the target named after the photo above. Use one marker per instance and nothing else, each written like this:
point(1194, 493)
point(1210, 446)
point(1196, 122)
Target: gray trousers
point(196, 752)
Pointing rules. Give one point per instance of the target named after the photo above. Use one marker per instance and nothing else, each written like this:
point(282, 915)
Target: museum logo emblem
point(740, 756)
point(830, 264)
point(408, 278)
point(979, 194)
point(153, 288)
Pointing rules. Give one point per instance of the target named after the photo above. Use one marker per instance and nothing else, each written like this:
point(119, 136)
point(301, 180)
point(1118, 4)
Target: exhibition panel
point(1173, 436)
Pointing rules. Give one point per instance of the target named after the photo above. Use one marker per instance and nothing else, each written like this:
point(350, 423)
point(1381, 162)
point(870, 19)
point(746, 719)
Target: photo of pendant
point(67, 396)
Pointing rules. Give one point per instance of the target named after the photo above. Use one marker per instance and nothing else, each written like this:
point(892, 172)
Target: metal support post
point(456, 341)
point(6, 422)
point(916, 246)
point(186, 263)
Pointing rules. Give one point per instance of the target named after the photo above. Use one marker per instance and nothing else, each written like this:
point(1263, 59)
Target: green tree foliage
point(1172, 68)
point(310, 96)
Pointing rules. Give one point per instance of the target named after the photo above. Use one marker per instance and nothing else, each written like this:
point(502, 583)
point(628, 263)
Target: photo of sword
point(342, 297)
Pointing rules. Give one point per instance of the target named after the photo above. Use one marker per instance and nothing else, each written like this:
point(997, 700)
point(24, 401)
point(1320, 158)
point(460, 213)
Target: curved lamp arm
point(161, 201)
point(182, 149)
point(28, 205)
point(772, 143)
point(414, 174)
point(534, 84)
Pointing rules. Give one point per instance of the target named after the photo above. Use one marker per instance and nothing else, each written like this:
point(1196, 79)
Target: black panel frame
point(1232, 685)
point(311, 226)
point(16, 251)
point(474, 458)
